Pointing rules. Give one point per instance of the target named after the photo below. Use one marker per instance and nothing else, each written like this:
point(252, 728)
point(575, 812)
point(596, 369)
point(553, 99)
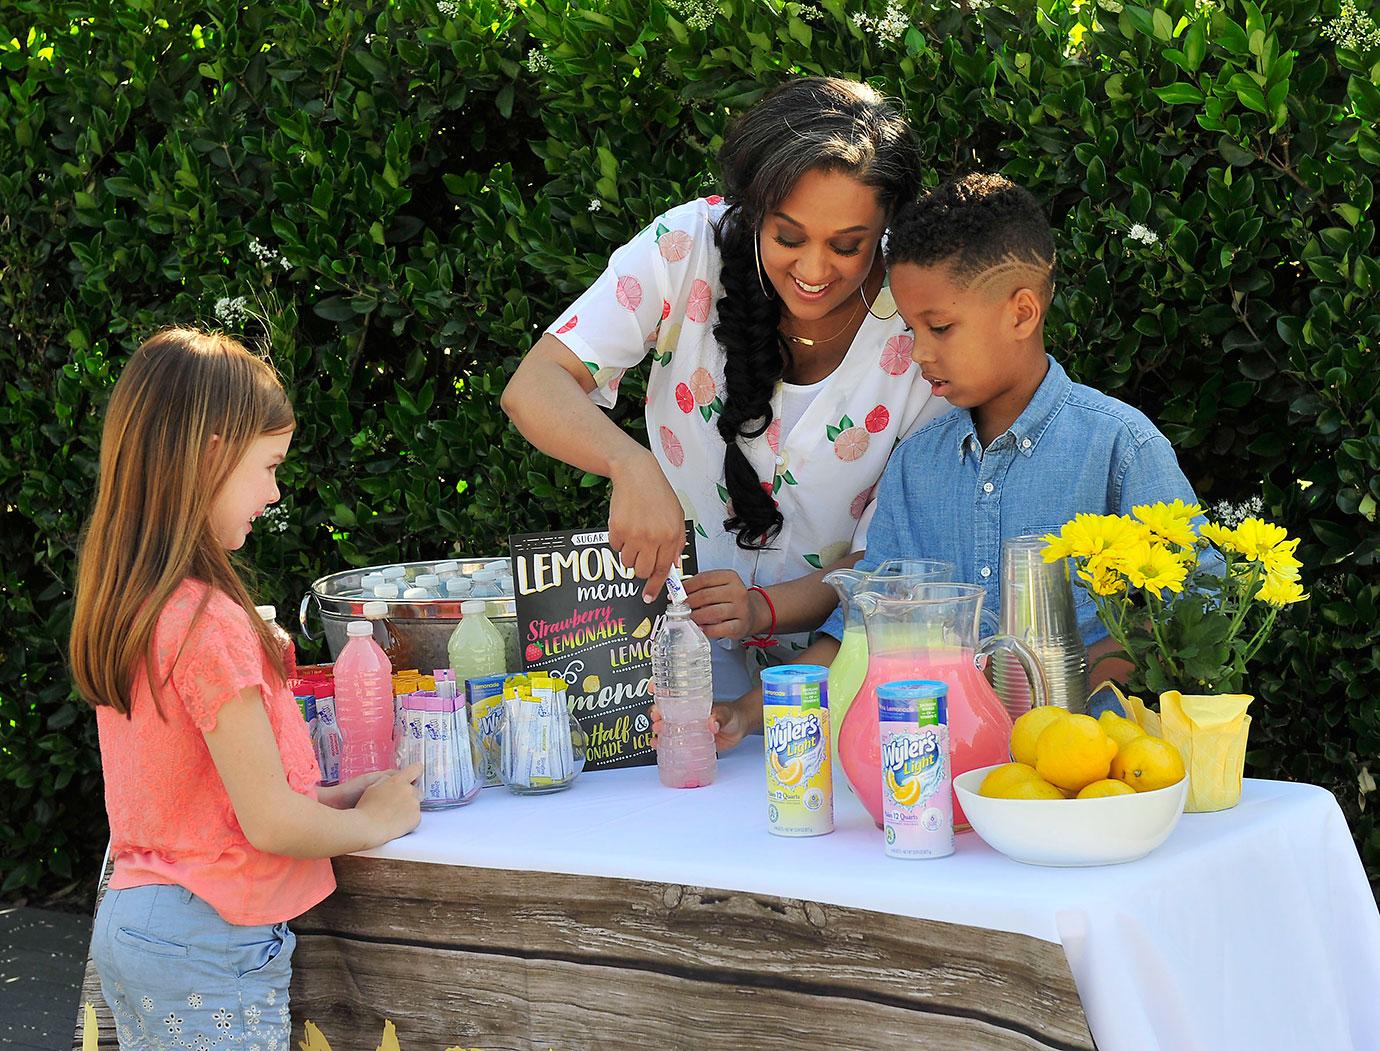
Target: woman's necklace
point(806, 342)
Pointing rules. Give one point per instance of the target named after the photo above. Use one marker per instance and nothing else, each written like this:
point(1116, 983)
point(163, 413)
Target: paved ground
point(42, 955)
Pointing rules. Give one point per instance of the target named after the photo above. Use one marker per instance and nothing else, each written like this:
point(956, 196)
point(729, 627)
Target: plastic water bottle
point(684, 692)
point(364, 703)
point(475, 648)
point(284, 640)
point(387, 636)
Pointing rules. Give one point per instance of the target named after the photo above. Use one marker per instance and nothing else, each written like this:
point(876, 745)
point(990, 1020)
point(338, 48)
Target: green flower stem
point(1260, 636)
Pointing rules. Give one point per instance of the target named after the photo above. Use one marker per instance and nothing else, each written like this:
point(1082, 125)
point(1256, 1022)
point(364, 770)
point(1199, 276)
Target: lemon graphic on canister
point(591, 684)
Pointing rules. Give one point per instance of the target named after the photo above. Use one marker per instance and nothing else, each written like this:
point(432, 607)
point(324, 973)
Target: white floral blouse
point(659, 295)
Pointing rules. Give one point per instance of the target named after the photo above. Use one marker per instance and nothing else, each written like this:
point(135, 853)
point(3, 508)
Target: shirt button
point(986, 572)
point(1025, 444)
point(987, 487)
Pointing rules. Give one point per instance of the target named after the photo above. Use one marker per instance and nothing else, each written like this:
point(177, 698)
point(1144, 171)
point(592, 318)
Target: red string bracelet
point(767, 639)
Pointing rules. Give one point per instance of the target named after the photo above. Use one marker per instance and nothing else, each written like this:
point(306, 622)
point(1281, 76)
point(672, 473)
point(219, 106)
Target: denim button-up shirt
point(1072, 450)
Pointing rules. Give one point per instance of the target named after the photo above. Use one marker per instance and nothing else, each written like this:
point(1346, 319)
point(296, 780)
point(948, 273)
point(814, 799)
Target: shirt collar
point(1032, 423)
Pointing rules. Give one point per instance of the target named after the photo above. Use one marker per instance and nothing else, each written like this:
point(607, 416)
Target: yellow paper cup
point(1210, 733)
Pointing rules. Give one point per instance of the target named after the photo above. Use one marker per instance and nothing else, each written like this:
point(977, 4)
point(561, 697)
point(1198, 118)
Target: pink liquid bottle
point(685, 756)
point(364, 703)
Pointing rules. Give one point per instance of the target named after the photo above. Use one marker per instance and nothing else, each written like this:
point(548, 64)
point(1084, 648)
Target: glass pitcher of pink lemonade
point(895, 576)
point(931, 632)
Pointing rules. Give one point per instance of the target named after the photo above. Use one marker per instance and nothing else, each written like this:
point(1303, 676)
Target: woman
point(781, 376)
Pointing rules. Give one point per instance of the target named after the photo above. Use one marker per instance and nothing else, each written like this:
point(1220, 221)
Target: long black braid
point(805, 124)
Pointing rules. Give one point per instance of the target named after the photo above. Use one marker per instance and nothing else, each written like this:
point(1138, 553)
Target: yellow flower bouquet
point(1189, 608)
point(1188, 605)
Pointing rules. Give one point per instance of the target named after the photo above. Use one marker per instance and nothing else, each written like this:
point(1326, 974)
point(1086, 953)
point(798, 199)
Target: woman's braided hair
point(807, 124)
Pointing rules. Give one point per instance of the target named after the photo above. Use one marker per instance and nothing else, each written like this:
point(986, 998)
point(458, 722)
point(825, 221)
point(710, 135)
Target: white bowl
point(1072, 832)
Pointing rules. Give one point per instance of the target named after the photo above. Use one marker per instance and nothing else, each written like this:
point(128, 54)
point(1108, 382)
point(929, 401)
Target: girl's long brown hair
point(150, 528)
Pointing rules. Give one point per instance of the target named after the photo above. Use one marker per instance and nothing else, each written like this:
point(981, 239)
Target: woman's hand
point(646, 521)
point(723, 606)
point(729, 721)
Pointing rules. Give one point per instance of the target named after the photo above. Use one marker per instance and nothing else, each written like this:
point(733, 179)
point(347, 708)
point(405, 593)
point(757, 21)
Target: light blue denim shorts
point(177, 976)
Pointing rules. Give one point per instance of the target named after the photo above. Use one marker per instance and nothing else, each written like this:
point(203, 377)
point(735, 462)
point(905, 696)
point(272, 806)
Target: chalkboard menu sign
point(581, 617)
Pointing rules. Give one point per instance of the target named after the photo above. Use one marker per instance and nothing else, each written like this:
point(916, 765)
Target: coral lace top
point(171, 821)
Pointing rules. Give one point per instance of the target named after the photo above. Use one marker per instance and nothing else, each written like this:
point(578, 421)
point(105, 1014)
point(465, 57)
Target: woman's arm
point(277, 820)
point(548, 401)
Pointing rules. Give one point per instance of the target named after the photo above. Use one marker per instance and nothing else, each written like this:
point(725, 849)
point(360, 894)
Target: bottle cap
point(266, 612)
point(386, 591)
point(413, 593)
point(447, 567)
point(473, 605)
point(359, 628)
point(375, 610)
point(394, 572)
point(427, 580)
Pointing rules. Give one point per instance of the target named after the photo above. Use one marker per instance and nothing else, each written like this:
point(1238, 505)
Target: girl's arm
point(277, 820)
point(726, 609)
point(548, 401)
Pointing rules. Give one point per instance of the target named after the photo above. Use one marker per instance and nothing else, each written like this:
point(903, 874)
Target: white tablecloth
point(1254, 928)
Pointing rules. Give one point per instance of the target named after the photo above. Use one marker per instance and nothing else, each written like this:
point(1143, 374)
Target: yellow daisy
point(1280, 561)
point(1280, 591)
point(1221, 537)
point(1172, 523)
point(1103, 575)
point(1154, 567)
point(1255, 537)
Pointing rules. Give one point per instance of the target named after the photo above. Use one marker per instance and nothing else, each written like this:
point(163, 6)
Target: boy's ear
point(1027, 313)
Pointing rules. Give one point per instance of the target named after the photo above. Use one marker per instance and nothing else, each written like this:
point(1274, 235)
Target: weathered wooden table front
point(624, 915)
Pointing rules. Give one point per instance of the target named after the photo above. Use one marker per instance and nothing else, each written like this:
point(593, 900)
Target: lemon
point(1148, 763)
point(907, 794)
point(1028, 788)
point(1106, 787)
point(1001, 777)
point(1074, 752)
point(1028, 729)
point(644, 629)
point(1121, 730)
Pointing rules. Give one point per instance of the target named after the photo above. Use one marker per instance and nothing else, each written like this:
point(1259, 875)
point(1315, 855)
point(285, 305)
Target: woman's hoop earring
point(757, 255)
point(863, 296)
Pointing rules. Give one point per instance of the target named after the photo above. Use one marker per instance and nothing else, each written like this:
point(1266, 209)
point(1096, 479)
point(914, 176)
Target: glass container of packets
point(433, 728)
point(541, 745)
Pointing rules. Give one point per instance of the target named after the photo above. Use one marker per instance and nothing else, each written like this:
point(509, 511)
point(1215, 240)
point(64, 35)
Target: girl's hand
point(646, 521)
point(345, 796)
point(391, 803)
point(723, 606)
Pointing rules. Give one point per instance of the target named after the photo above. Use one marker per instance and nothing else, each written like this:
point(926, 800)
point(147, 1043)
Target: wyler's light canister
point(795, 727)
point(917, 776)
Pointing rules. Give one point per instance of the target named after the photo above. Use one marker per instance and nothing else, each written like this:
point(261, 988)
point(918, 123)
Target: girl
point(218, 831)
point(781, 379)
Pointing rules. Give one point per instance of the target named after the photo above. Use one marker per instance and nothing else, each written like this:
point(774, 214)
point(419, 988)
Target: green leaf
point(1161, 24)
point(1176, 94)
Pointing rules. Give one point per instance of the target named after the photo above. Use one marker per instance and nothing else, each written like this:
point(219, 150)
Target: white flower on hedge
point(449, 8)
point(595, 204)
point(892, 25)
point(267, 256)
point(1352, 28)
point(537, 62)
point(275, 519)
point(231, 311)
point(809, 13)
point(698, 14)
point(1143, 234)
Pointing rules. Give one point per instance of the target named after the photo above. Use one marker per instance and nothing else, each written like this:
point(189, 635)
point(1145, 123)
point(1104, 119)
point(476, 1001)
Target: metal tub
point(423, 625)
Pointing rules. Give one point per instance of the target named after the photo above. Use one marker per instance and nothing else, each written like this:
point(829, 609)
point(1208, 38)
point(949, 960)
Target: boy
point(1024, 448)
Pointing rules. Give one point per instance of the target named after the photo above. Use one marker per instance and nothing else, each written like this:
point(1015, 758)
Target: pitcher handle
point(1029, 662)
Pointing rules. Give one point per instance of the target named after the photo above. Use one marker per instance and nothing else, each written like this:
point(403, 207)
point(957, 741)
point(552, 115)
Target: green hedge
point(397, 197)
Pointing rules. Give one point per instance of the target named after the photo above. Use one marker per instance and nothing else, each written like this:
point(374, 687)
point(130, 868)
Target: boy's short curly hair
point(974, 223)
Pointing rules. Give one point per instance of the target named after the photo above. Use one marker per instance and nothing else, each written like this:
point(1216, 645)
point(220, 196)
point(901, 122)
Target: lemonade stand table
point(623, 915)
